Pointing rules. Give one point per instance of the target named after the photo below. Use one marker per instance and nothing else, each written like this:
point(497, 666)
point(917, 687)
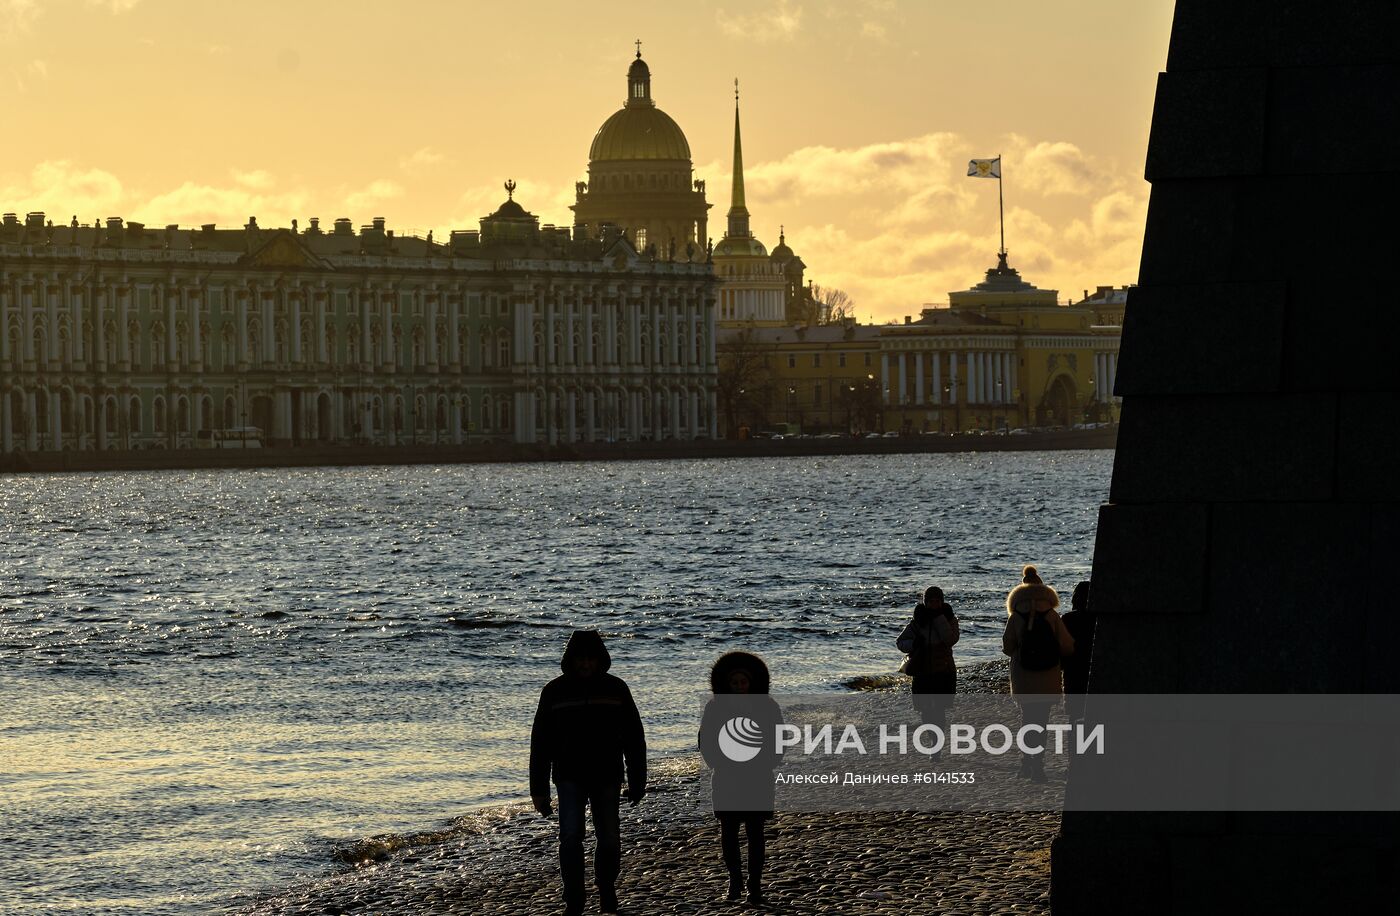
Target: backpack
point(1040, 650)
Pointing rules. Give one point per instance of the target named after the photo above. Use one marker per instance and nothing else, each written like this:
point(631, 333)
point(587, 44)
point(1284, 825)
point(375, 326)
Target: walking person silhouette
point(586, 728)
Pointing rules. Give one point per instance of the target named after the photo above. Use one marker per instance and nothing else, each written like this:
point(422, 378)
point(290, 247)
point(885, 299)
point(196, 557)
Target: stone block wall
point(1252, 526)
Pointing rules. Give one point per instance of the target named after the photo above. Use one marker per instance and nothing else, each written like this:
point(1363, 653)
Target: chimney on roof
point(11, 219)
point(315, 227)
point(908, 319)
point(34, 219)
point(378, 223)
point(343, 226)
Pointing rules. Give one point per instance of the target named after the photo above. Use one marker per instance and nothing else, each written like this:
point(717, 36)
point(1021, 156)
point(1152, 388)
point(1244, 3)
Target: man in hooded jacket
point(586, 728)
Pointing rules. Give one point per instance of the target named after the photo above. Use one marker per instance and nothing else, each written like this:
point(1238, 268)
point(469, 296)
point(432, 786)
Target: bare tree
point(832, 305)
point(744, 384)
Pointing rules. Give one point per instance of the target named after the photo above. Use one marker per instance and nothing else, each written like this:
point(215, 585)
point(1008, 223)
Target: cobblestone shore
point(502, 861)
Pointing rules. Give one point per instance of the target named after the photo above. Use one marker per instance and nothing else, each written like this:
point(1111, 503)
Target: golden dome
point(639, 132)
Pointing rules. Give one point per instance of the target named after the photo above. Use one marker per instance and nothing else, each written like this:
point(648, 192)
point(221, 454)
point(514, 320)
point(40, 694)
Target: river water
point(210, 681)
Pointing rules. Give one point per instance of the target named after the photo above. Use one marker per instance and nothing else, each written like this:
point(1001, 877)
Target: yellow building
point(999, 356)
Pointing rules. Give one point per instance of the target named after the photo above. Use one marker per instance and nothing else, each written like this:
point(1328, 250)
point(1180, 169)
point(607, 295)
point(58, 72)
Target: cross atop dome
point(639, 49)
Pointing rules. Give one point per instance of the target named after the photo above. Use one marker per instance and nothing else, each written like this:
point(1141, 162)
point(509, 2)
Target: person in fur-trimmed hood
point(1035, 639)
point(742, 790)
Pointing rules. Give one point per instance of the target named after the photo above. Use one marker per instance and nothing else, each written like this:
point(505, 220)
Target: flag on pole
point(985, 168)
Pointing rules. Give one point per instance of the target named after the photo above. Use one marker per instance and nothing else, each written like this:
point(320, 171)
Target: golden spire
point(738, 212)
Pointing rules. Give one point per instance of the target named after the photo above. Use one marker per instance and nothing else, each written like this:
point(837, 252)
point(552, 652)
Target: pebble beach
point(502, 860)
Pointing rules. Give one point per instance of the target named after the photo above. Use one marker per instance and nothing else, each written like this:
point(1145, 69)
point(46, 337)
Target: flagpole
point(1001, 206)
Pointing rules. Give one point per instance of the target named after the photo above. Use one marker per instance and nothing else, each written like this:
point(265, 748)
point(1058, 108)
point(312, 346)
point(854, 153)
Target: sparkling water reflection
point(211, 679)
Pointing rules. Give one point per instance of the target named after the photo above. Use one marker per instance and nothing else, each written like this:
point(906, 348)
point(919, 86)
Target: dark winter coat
point(586, 728)
point(741, 787)
point(928, 640)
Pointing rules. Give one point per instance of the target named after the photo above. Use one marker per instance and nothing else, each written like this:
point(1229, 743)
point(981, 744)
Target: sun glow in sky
point(859, 118)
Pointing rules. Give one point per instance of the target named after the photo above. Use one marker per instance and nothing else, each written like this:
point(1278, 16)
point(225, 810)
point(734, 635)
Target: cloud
point(17, 16)
point(874, 30)
point(373, 194)
point(776, 21)
point(116, 7)
point(58, 185)
point(258, 179)
point(898, 224)
point(192, 204)
point(425, 157)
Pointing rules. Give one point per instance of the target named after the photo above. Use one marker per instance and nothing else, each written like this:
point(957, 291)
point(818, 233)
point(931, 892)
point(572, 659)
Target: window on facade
point(133, 416)
point(792, 359)
point(867, 359)
point(641, 234)
point(816, 360)
point(841, 360)
point(158, 415)
point(503, 414)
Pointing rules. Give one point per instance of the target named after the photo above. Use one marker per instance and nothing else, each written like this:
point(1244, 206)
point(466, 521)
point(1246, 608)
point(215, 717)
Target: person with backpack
point(928, 641)
point(1035, 639)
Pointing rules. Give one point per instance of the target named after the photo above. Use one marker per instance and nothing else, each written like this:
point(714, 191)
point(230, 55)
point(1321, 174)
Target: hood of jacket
point(1022, 595)
point(747, 662)
point(585, 642)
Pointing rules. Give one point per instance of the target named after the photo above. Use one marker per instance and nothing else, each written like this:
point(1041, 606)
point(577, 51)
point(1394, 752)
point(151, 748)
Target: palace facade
point(122, 336)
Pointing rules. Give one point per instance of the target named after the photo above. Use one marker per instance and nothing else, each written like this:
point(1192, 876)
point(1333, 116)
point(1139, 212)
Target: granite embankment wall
point(314, 456)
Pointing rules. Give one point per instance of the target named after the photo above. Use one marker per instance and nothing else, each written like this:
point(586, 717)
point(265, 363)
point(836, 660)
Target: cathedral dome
point(638, 132)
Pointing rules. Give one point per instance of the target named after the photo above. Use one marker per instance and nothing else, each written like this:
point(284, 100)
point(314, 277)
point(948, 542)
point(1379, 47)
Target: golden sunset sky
point(858, 120)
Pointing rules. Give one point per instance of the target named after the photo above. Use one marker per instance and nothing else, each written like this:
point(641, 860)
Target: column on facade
point(634, 421)
point(885, 377)
point(123, 295)
point(590, 327)
point(548, 356)
point(903, 396)
point(711, 360)
point(675, 409)
point(385, 301)
point(50, 318)
point(31, 404)
point(972, 389)
point(694, 413)
point(322, 300)
point(429, 298)
point(454, 341)
point(294, 324)
point(99, 322)
point(551, 414)
point(919, 391)
point(4, 325)
point(570, 423)
point(191, 306)
point(359, 301)
point(269, 347)
point(936, 373)
point(26, 305)
point(55, 420)
point(654, 310)
point(75, 321)
point(590, 414)
point(7, 439)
